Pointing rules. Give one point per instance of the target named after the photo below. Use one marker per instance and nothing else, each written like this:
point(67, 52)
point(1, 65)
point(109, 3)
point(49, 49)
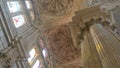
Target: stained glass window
point(18, 20)
point(14, 6)
point(37, 64)
point(32, 55)
point(44, 51)
point(28, 4)
point(32, 15)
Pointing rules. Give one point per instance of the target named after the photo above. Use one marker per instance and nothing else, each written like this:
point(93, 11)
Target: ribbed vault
point(52, 10)
point(56, 7)
point(54, 16)
point(61, 45)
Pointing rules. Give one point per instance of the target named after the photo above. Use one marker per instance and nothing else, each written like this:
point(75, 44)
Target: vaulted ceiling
point(57, 7)
point(54, 16)
point(56, 10)
point(60, 44)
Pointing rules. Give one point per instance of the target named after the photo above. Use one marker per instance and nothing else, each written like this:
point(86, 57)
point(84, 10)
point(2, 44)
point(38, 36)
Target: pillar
point(107, 45)
point(90, 57)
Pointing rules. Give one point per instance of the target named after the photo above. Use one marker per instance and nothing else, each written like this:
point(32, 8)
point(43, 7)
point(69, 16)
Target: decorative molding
point(84, 19)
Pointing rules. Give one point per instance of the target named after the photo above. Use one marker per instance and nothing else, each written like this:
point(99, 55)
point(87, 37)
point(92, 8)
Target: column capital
point(85, 18)
point(88, 13)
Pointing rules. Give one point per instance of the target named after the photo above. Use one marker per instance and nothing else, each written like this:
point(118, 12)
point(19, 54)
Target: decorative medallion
point(57, 7)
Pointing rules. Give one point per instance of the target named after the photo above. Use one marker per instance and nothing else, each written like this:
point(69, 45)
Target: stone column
point(107, 45)
point(99, 45)
point(90, 57)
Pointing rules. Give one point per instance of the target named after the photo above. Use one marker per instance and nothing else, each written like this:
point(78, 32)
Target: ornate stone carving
point(103, 41)
point(116, 18)
point(83, 21)
point(61, 45)
point(57, 7)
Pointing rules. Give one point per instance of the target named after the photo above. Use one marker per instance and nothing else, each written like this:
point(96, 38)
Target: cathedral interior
point(59, 33)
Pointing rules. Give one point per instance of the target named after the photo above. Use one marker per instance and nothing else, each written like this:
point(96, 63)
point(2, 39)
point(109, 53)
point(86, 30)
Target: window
point(14, 6)
point(41, 43)
point(44, 53)
point(32, 55)
point(37, 64)
point(28, 4)
point(32, 15)
point(18, 20)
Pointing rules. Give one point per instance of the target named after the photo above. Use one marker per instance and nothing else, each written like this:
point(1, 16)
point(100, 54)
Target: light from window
point(32, 55)
point(14, 6)
point(28, 4)
point(37, 64)
point(18, 20)
point(44, 53)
